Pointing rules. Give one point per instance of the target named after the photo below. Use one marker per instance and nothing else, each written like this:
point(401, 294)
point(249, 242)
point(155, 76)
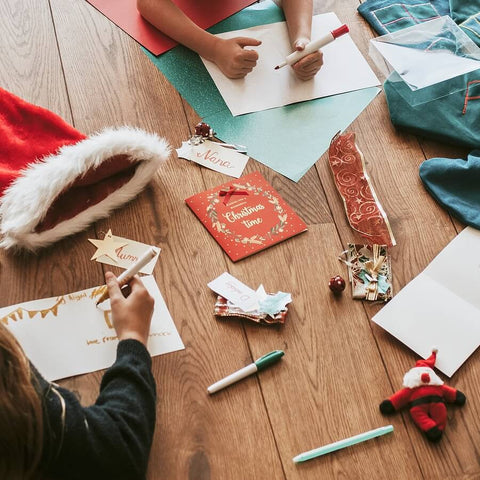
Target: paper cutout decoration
point(235, 299)
point(364, 212)
point(314, 122)
point(224, 308)
point(215, 157)
point(369, 272)
point(107, 247)
point(125, 15)
point(121, 252)
point(235, 291)
point(67, 335)
point(441, 306)
point(344, 69)
point(246, 216)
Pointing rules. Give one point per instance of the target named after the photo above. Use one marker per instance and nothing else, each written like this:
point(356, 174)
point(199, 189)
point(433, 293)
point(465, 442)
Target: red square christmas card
point(246, 215)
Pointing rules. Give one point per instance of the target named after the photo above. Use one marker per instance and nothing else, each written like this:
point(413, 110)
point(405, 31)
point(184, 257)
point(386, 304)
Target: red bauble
point(203, 129)
point(336, 284)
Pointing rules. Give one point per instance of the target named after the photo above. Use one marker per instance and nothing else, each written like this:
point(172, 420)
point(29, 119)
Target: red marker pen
point(314, 46)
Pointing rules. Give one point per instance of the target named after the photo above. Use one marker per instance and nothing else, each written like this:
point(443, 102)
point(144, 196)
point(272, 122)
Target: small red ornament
point(336, 284)
point(204, 130)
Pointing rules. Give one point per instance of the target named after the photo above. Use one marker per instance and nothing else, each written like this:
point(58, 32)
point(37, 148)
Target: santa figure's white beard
point(413, 378)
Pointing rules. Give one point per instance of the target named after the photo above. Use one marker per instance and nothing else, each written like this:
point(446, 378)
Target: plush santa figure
point(55, 181)
point(425, 395)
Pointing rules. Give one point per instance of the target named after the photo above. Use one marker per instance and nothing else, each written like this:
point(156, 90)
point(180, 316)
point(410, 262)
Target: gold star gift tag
point(107, 246)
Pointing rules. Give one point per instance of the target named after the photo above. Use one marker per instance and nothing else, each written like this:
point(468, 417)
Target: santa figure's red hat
point(428, 362)
point(55, 181)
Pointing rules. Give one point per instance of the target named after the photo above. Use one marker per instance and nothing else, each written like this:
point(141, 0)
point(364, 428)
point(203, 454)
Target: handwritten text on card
point(214, 156)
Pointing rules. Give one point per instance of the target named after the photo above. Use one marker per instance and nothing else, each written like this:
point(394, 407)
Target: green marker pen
point(259, 364)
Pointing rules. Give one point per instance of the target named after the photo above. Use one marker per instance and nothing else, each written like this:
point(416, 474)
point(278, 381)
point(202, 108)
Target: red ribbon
point(231, 191)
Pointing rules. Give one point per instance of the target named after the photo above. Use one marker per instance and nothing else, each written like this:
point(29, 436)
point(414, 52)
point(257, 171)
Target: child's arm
point(112, 438)
point(298, 14)
point(230, 56)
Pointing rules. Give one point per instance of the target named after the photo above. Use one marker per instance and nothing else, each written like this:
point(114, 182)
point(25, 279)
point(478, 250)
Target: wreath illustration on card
point(217, 225)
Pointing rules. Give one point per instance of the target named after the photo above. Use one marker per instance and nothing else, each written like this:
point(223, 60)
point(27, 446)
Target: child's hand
point(233, 59)
point(307, 67)
point(131, 316)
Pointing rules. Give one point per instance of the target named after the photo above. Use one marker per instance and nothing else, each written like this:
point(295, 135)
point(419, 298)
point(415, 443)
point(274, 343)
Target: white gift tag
point(214, 156)
point(235, 291)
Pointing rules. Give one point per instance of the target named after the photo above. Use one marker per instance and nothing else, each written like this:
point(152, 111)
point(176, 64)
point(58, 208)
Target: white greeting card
point(344, 69)
point(214, 156)
point(441, 306)
point(68, 335)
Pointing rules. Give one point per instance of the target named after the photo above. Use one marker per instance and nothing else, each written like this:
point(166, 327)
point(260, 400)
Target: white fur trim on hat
point(27, 200)
point(413, 378)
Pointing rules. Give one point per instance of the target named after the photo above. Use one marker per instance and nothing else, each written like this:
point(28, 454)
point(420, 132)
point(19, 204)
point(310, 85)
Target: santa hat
point(428, 362)
point(423, 373)
point(55, 181)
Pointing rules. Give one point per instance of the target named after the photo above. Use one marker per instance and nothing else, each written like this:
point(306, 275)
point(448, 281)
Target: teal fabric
point(388, 16)
point(436, 113)
point(454, 183)
point(466, 14)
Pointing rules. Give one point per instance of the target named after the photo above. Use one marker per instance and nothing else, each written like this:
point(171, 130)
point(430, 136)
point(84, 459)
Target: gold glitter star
point(107, 246)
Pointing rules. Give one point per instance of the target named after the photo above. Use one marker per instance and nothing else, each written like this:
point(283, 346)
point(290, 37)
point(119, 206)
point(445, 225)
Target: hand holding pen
point(131, 316)
point(309, 65)
point(129, 273)
point(298, 59)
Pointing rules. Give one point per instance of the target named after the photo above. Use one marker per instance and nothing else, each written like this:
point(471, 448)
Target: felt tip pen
point(130, 272)
point(347, 442)
point(259, 364)
point(314, 46)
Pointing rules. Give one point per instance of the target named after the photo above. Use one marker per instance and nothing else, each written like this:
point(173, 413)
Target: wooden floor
point(338, 366)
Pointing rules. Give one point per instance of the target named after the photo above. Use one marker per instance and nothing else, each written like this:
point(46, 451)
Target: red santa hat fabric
point(55, 181)
point(429, 362)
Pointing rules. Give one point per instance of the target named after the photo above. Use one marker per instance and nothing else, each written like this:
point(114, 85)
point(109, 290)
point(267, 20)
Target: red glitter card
point(246, 215)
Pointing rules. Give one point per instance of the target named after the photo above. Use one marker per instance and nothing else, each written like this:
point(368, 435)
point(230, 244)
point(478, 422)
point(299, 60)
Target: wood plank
point(197, 436)
point(422, 229)
point(28, 50)
point(30, 67)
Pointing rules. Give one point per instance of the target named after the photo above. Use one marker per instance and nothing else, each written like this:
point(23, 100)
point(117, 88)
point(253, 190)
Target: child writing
point(232, 56)
point(46, 433)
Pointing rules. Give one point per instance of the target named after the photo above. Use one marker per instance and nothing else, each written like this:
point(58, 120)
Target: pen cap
point(269, 358)
point(338, 32)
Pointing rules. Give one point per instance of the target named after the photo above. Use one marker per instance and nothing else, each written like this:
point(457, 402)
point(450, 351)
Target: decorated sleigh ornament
point(55, 181)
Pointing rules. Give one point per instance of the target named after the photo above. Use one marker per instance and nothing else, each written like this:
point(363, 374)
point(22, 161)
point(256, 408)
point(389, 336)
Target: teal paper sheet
point(289, 139)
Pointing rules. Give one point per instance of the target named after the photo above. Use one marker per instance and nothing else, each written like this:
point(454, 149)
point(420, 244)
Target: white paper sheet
point(441, 306)
point(344, 69)
point(76, 337)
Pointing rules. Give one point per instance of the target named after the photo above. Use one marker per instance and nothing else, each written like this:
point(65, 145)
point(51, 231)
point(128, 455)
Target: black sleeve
point(113, 437)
